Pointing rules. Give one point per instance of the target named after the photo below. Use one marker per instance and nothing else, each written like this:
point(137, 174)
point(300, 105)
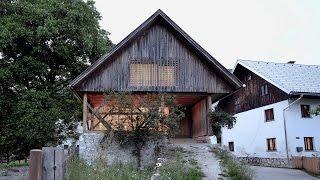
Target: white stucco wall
point(298, 128)
point(250, 132)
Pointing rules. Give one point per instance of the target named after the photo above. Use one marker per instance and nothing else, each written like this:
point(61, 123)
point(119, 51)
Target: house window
point(264, 90)
point(269, 115)
point(271, 144)
point(305, 111)
point(152, 75)
point(237, 100)
point(231, 146)
point(308, 143)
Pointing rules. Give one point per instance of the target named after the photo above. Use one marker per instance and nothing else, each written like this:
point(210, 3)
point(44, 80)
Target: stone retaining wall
point(91, 150)
point(269, 162)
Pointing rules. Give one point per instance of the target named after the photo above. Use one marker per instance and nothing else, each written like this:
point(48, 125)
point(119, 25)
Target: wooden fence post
point(35, 170)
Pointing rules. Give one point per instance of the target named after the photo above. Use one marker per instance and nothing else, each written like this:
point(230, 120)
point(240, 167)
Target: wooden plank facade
point(159, 57)
point(250, 97)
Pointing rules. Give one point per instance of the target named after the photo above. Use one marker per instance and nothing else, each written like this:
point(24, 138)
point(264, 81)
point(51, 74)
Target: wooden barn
point(158, 56)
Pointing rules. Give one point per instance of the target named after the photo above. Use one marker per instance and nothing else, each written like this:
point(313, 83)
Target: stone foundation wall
point(269, 162)
point(92, 150)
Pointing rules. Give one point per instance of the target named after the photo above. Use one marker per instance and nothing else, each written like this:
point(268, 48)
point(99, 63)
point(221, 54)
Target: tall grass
point(78, 170)
point(174, 169)
point(233, 169)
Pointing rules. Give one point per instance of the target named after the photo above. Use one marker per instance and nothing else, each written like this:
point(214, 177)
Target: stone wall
point(269, 162)
point(93, 149)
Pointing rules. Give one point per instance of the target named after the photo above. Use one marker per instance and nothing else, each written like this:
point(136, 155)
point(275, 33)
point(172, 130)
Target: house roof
point(161, 17)
point(291, 78)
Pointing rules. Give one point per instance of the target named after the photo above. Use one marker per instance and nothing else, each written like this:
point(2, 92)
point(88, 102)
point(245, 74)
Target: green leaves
point(43, 45)
point(220, 119)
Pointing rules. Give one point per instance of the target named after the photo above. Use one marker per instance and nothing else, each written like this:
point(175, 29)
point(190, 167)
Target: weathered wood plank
point(85, 111)
point(35, 170)
point(48, 163)
point(157, 45)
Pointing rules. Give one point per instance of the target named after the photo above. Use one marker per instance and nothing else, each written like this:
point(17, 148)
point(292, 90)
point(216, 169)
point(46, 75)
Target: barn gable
point(157, 56)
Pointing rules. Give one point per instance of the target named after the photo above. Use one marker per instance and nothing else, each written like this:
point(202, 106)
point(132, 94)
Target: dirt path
point(199, 153)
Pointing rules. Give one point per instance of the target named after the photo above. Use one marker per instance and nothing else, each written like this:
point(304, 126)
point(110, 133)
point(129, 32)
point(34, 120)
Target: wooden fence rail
point(310, 164)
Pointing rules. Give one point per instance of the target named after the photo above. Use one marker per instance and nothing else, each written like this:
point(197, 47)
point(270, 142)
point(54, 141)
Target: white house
point(273, 111)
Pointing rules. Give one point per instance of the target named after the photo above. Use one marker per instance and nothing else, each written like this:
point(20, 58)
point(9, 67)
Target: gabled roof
point(291, 78)
point(161, 17)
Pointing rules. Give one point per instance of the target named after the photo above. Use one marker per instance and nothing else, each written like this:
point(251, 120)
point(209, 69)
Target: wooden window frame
point(264, 90)
point(266, 115)
point(274, 144)
point(303, 115)
point(307, 146)
point(231, 148)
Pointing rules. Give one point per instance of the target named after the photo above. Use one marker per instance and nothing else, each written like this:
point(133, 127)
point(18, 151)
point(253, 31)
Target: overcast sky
point(266, 30)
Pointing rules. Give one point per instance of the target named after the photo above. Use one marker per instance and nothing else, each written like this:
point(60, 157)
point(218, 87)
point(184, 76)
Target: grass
point(78, 170)
point(232, 169)
point(13, 164)
point(174, 169)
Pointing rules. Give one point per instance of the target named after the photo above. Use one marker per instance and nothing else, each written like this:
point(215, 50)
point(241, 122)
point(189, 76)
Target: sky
point(264, 30)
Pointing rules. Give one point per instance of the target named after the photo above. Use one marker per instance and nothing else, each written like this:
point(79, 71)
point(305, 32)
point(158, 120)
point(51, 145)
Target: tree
point(142, 118)
point(220, 119)
point(43, 45)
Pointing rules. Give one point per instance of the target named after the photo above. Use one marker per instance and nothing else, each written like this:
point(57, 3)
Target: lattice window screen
point(152, 75)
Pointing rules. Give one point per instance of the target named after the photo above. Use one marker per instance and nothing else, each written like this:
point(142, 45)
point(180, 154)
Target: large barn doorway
point(196, 107)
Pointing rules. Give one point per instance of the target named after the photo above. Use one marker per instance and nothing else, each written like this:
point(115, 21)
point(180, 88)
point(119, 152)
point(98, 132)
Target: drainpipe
point(285, 124)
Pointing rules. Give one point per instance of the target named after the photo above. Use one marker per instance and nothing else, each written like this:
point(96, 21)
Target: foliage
point(13, 164)
point(220, 119)
point(43, 44)
point(144, 118)
point(232, 169)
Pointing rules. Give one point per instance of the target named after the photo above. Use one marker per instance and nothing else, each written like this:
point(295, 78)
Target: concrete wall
point(250, 132)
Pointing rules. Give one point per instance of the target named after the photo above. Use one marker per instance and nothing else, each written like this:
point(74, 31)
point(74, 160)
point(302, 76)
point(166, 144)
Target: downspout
point(285, 125)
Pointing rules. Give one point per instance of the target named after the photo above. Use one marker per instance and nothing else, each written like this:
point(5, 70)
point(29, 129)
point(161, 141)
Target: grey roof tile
point(288, 77)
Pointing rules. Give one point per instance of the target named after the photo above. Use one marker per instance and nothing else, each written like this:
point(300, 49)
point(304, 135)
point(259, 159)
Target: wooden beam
point(35, 170)
point(209, 103)
point(85, 112)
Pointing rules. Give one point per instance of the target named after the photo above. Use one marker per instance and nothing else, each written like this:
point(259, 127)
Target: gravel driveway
point(266, 173)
